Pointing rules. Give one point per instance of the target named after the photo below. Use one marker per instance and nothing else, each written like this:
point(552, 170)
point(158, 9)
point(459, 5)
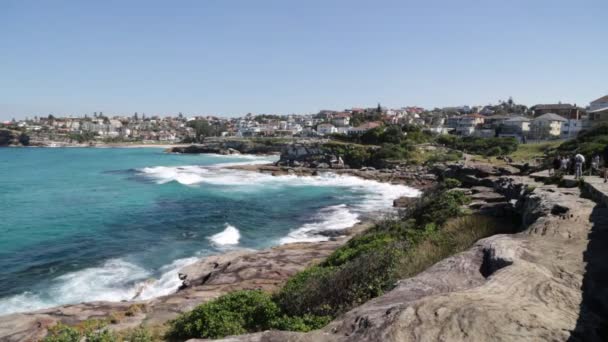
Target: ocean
point(85, 224)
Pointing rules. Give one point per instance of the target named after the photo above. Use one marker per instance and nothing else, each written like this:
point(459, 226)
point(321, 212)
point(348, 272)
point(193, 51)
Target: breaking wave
point(331, 218)
point(229, 236)
point(114, 280)
point(119, 279)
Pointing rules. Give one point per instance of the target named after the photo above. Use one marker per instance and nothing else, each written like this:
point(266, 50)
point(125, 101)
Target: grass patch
point(531, 151)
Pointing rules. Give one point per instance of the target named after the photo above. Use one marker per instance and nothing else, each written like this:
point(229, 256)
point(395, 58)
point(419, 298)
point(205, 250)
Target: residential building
point(468, 124)
point(341, 119)
point(364, 127)
point(598, 116)
point(565, 110)
point(326, 128)
point(571, 128)
point(515, 127)
point(547, 126)
point(601, 103)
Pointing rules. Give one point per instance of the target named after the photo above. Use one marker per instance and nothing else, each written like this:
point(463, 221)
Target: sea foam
point(119, 279)
point(229, 236)
point(114, 280)
point(377, 196)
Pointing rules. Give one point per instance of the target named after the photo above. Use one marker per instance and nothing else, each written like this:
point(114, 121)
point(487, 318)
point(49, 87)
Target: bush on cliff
point(331, 290)
point(231, 314)
point(368, 265)
point(89, 331)
point(587, 143)
point(355, 156)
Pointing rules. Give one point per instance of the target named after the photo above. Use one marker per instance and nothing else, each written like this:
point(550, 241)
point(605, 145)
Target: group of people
point(574, 164)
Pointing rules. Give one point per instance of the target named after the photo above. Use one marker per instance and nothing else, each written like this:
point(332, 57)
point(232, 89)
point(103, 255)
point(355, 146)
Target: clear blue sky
point(277, 56)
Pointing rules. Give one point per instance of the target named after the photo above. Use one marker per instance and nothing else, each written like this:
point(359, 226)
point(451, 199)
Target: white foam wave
point(117, 279)
point(331, 218)
point(229, 236)
point(114, 280)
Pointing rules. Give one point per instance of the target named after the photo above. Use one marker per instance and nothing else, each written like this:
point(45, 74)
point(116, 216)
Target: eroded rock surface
point(546, 283)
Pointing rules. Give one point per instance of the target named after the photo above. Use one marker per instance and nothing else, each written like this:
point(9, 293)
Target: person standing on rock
point(563, 168)
point(579, 160)
point(595, 164)
point(555, 165)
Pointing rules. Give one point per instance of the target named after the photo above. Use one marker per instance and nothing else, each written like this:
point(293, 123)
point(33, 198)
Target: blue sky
point(231, 57)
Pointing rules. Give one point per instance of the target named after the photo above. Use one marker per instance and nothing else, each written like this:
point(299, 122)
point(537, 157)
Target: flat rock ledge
point(547, 283)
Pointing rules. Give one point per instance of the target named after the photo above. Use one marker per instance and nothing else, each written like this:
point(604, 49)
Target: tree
point(201, 128)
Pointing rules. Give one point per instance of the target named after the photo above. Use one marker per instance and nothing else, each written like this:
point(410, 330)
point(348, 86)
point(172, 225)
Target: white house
point(601, 103)
point(326, 128)
point(343, 129)
point(571, 128)
point(516, 127)
point(341, 119)
point(547, 126)
point(468, 124)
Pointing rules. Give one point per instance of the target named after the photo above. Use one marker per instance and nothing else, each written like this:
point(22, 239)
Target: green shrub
point(231, 314)
point(357, 246)
point(438, 208)
point(100, 336)
point(451, 183)
point(494, 151)
point(587, 143)
point(329, 291)
point(89, 331)
point(444, 157)
point(63, 333)
point(300, 323)
point(478, 145)
point(139, 335)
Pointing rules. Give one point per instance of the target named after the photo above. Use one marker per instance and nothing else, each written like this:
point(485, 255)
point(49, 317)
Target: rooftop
point(551, 117)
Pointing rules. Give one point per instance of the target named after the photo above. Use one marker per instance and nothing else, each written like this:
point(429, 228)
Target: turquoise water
point(80, 224)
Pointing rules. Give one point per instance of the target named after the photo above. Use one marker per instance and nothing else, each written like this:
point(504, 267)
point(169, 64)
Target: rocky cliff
point(547, 282)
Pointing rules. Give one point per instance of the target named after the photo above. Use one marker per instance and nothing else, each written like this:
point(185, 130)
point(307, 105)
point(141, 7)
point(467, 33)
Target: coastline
point(57, 144)
point(207, 278)
point(204, 279)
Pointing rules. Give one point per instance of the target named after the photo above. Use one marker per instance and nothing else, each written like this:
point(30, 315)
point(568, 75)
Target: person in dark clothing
point(572, 165)
point(555, 165)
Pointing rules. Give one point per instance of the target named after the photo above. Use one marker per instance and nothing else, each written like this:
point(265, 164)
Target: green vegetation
point(82, 137)
point(531, 151)
point(399, 144)
point(392, 134)
point(587, 143)
point(203, 129)
point(433, 228)
point(481, 146)
point(234, 313)
point(97, 331)
point(90, 331)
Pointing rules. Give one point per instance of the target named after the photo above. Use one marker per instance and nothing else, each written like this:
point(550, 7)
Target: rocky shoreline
point(202, 281)
point(206, 279)
point(544, 283)
point(418, 176)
